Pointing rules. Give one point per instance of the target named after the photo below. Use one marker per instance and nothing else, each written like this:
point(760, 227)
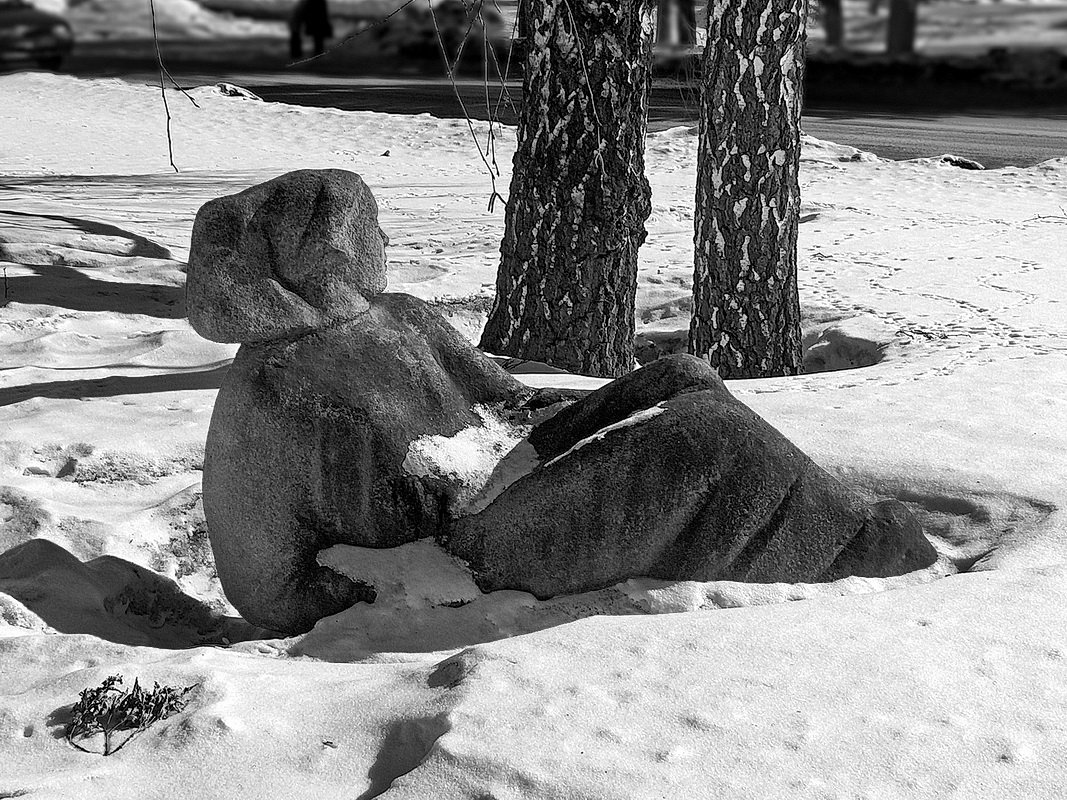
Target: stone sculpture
point(353, 416)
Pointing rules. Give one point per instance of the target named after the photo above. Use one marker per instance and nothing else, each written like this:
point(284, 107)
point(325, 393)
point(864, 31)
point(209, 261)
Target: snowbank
point(919, 687)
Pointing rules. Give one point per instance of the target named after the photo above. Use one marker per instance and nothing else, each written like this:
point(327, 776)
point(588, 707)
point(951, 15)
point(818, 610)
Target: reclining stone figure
point(354, 416)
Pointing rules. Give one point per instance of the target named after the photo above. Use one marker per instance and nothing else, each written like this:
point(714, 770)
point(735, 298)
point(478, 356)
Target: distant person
point(676, 23)
point(833, 23)
point(310, 17)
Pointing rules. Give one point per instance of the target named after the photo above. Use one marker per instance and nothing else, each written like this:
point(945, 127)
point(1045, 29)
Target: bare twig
point(1048, 217)
point(178, 86)
point(470, 26)
point(505, 74)
point(164, 72)
point(493, 112)
point(488, 156)
point(490, 139)
point(162, 85)
point(463, 107)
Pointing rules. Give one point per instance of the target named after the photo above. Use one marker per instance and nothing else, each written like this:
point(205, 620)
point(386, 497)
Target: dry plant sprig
point(108, 709)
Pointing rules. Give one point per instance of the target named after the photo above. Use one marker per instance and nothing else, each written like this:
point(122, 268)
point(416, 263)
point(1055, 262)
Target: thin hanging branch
point(162, 84)
point(488, 156)
point(502, 74)
point(164, 72)
point(463, 106)
point(493, 111)
point(505, 93)
point(175, 83)
point(490, 139)
point(467, 33)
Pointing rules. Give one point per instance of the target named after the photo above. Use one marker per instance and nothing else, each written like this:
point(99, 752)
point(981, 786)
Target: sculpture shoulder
point(481, 379)
point(405, 308)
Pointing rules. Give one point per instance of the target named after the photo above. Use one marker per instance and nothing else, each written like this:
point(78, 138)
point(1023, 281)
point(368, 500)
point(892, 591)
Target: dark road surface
point(992, 140)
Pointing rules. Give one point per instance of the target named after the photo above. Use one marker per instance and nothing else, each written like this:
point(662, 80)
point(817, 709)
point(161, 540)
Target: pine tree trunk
point(903, 19)
point(746, 313)
point(579, 198)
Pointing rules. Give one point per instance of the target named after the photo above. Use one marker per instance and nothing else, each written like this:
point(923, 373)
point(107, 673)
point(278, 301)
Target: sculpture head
point(285, 257)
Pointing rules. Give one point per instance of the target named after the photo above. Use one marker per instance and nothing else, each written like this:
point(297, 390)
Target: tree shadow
point(114, 599)
point(406, 745)
point(69, 288)
point(116, 385)
point(141, 246)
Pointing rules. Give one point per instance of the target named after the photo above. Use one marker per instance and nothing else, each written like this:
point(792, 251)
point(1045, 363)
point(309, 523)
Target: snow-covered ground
point(953, 282)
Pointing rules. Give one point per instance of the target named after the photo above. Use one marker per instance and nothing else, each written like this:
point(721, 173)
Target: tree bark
point(903, 20)
point(746, 312)
point(579, 198)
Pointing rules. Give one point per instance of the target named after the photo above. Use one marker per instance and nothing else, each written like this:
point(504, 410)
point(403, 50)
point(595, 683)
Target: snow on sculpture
point(355, 416)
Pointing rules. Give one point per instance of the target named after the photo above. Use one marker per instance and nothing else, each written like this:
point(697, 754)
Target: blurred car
point(29, 36)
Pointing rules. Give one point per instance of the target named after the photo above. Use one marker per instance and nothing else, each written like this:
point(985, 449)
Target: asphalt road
point(992, 140)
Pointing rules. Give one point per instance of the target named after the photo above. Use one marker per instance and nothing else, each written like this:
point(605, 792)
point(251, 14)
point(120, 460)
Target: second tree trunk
point(746, 315)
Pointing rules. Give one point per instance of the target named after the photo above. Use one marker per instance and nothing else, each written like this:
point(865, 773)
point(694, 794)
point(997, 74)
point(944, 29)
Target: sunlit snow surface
point(912, 687)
